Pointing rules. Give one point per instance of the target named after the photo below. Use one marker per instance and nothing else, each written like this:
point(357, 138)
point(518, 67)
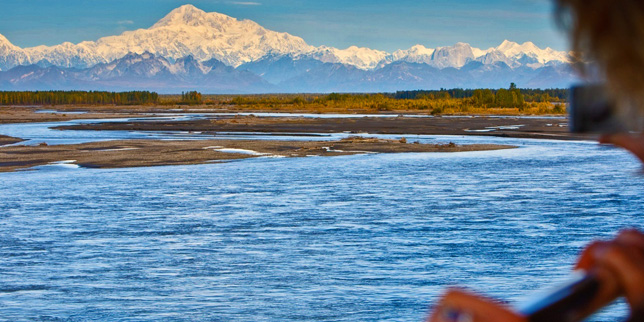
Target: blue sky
point(378, 24)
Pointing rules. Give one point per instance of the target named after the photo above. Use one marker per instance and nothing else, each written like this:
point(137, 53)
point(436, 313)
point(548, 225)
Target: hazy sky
point(378, 24)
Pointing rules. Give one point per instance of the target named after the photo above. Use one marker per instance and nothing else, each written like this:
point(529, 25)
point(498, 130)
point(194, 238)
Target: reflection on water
point(59, 112)
point(355, 238)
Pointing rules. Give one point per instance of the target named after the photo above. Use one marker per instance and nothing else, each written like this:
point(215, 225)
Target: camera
point(592, 110)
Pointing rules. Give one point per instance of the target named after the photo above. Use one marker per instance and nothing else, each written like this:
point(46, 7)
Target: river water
point(352, 238)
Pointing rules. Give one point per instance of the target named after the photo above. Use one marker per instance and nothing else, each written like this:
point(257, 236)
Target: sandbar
point(516, 127)
point(143, 153)
point(4, 140)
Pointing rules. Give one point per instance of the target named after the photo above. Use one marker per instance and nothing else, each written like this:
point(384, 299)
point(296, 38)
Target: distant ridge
point(252, 51)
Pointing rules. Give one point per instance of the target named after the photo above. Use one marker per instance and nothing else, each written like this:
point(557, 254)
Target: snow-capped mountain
point(189, 31)
point(138, 71)
point(189, 44)
point(510, 53)
point(184, 31)
point(416, 54)
point(454, 56)
point(283, 74)
point(543, 56)
point(10, 55)
point(362, 58)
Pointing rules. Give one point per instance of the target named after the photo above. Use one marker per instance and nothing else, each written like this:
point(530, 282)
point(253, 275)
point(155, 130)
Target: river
point(352, 238)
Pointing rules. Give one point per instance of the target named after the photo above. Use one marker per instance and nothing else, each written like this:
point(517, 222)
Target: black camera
point(592, 110)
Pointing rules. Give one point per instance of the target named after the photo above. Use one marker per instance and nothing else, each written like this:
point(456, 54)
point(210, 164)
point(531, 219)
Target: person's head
point(610, 33)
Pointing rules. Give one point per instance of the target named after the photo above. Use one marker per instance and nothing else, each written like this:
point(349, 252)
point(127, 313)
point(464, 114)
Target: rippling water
point(355, 238)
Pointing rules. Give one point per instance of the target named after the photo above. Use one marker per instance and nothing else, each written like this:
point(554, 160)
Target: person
point(610, 34)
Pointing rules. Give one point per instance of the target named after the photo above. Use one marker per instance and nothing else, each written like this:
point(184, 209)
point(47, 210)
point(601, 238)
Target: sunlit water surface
point(353, 238)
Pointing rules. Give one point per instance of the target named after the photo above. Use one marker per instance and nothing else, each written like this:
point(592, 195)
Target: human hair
point(609, 33)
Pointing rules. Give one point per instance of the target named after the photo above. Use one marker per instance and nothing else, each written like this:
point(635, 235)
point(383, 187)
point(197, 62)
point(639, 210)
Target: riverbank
point(4, 140)
point(21, 114)
point(524, 126)
point(143, 153)
point(210, 122)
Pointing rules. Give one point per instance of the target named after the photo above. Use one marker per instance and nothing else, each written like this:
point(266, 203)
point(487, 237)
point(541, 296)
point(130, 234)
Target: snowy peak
point(418, 54)
point(420, 50)
point(510, 48)
point(189, 15)
point(6, 45)
point(360, 57)
point(453, 56)
point(184, 31)
point(507, 45)
point(11, 55)
point(4, 40)
point(542, 56)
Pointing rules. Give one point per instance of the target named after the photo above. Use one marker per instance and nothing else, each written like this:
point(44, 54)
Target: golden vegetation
point(375, 103)
point(511, 101)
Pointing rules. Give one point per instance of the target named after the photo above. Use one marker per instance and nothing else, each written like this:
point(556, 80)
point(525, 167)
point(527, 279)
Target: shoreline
point(143, 153)
point(140, 153)
point(6, 140)
point(22, 114)
point(513, 126)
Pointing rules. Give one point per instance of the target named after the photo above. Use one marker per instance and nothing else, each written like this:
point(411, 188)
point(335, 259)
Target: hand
point(619, 263)
point(632, 143)
point(458, 305)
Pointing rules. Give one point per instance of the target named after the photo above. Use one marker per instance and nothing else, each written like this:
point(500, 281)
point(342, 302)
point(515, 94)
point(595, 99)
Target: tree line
point(78, 97)
point(191, 98)
point(510, 101)
point(530, 95)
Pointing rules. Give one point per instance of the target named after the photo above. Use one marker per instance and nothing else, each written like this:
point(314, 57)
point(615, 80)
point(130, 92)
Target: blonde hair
point(610, 33)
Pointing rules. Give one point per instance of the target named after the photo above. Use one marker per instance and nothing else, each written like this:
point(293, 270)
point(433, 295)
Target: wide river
point(353, 238)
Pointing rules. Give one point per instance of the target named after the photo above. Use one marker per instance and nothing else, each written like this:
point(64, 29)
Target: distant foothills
point(190, 49)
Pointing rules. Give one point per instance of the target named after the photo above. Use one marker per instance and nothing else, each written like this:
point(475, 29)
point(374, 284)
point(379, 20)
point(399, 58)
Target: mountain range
point(190, 49)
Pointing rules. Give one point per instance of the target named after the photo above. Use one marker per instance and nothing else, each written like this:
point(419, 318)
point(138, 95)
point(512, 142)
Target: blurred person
point(610, 35)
